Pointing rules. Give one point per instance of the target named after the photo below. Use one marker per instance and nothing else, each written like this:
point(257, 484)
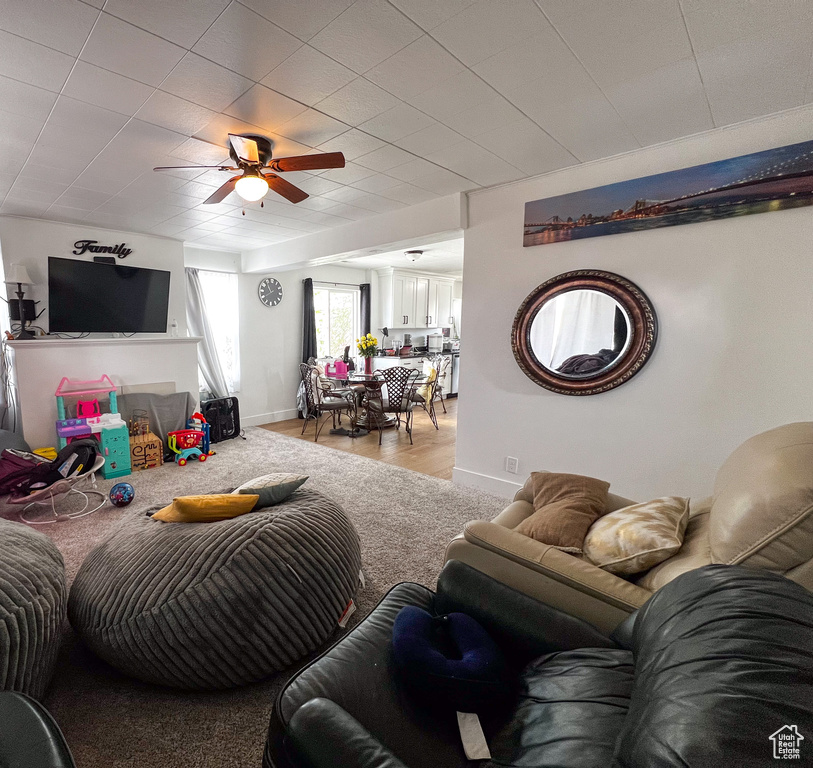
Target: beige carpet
point(404, 520)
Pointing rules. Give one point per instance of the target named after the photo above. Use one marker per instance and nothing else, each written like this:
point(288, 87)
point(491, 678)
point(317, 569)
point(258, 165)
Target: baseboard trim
point(268, 418)
point(495, 485)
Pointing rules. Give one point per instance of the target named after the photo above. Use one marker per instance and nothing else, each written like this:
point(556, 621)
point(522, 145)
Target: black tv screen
point(86, 297)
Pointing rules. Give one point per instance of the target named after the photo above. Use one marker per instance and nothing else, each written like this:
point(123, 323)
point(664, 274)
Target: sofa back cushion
point(722, 662)
point(762, 514)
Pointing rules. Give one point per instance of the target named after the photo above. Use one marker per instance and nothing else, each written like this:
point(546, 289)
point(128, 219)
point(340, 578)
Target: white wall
point(31, 241)
point(733, 357)
point(271, 342)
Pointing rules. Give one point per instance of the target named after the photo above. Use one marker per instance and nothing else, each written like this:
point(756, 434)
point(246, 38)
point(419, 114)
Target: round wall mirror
point(584, 332)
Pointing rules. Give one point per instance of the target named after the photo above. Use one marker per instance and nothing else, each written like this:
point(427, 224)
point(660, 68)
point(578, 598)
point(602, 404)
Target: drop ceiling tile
point(378, 204)
point(202, 82)
point(102, 180)
point(312, 128)
point(309, 76)
point(181, 21)
point(385, 158)
point(322, 203)
point(264, 107)
point(412, 170)
point(60, 24)
point(129, 51)
point(471, 161)
point(24, 99)
point(443, 182)
point(486, 27)
point(303, 18)
point(18, 195)
point(413, 69)
point(245, 42)
point(347, 175)
point(201, 153)
point(34, 210)
point(653, 33)
point(47, 173)
point(174, 113)
point(285, 147)
point(580, 119)
point(491, 114)
point(365, 34)
point(461, 92)
point(357, 102)
point(741, 86)
point(341, 195)
point(86, 199)
point(351, 212)
point(328, 220)
point(218, 129)
point(375, 183)
point(409, 194)
point(663, 103)
point(33, 63)
point(75, 118)
point(527, 147)
point(103, 88)
point(429, 13)
point(432, 139)
point(66, 213)
point(39, 185)
point(353, 144)
point(397, 122)
point(318, 186)
point(19, 129)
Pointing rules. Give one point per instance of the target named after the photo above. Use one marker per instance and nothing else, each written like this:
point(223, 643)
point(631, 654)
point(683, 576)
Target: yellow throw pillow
point(637, 538)
point(425, 389)
point(207, 508)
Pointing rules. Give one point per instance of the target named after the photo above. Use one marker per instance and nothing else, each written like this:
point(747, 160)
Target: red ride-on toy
point(184, 444)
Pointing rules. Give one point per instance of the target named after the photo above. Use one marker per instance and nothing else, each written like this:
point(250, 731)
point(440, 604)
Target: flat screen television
point(87, 297)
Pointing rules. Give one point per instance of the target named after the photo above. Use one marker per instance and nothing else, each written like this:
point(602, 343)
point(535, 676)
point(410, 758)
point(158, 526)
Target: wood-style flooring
point(432, 451)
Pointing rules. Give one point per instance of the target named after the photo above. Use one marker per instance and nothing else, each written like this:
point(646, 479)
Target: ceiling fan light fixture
point(251, 188)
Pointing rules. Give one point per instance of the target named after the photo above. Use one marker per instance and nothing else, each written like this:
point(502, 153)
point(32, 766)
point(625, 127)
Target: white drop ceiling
point(445, 258)
point(424, 97)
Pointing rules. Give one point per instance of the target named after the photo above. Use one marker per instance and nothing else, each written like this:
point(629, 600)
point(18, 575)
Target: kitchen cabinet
point(415, 300)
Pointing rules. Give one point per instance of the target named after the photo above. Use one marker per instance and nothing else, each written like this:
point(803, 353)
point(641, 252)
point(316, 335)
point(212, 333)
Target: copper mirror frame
point(643, 325)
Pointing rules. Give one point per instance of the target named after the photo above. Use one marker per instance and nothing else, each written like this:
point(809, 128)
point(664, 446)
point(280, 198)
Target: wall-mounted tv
point(87, 297)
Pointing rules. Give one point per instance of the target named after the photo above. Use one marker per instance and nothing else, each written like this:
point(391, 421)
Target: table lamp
point(18, 274)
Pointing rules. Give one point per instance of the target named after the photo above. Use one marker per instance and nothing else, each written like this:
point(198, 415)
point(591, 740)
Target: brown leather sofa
point(760, 515)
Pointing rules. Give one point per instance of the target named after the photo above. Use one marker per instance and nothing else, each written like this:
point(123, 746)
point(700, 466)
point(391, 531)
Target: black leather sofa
point(710, 668)
point(29, 736)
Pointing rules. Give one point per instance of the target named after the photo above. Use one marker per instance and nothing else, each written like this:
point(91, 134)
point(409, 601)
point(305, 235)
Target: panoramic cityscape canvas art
point(757, 183)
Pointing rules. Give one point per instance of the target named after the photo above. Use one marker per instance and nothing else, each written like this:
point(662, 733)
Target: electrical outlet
point(511, 464)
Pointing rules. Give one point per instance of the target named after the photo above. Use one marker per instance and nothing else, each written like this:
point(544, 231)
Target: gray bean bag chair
point(222, 604)
point(33, 597)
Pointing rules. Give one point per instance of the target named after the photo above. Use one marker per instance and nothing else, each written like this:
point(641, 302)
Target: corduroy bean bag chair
point(219, 604)
point(33, 597)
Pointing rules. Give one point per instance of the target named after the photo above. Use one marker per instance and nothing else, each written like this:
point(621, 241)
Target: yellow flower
point(357, 341)
point(369, 336)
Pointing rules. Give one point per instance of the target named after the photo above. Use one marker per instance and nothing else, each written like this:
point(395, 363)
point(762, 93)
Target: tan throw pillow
point(566, 506)
point(637, 538)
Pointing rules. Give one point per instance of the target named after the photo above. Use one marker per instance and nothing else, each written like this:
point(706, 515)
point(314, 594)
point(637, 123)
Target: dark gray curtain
point(308, 323)
point(365, 308)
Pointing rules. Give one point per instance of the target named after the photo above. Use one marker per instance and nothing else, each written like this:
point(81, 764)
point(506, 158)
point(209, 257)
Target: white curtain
point(574, 323)
point(198, 322)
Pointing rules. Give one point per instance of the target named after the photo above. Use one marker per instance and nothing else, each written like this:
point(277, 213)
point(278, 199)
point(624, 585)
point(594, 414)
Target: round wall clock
point(270, 291)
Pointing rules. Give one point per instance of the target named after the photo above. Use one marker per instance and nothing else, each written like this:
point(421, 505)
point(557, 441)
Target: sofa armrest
point(522, 626)
point(557, 565)
point(325, 736)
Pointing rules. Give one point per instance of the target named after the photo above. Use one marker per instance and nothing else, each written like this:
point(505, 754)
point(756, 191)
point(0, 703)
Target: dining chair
point(425, 394)
point(443, 363)
point(400, 383)
point(322, 400)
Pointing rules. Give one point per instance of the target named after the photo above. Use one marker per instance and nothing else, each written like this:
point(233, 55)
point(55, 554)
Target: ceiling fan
point(252, 155)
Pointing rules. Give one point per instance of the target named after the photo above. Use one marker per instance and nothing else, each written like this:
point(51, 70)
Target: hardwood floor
point(432, 452)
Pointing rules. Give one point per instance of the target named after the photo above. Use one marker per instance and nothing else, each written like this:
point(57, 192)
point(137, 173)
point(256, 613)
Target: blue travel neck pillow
point(450, 659)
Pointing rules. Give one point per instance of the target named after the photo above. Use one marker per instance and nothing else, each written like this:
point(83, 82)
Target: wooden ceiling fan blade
point(222, 192)
point(285, 188)
point(308, 162)
point(193, 167)
point(246, 149)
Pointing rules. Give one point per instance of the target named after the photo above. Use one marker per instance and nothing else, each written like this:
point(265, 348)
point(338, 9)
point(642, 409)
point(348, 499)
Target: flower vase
point(368, 365)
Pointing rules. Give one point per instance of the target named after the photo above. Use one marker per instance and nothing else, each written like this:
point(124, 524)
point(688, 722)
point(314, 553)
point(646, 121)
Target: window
point(222, 311)
point(337, 320)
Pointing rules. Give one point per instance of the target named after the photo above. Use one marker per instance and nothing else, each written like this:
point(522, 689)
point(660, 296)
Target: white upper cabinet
point(415, 300)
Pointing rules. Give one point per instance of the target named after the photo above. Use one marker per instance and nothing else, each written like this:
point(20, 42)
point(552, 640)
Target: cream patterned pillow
point(637, 538)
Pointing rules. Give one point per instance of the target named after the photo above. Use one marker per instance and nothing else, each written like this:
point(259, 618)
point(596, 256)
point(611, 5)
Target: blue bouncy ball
point(121, 494)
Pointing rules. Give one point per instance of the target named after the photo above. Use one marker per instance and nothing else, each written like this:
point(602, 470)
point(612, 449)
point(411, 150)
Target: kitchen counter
point(413, 355)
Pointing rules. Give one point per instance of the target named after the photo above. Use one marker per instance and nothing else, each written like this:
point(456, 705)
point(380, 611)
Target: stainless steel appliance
point(407, 339)
point(455, 378)
point(434, 342)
